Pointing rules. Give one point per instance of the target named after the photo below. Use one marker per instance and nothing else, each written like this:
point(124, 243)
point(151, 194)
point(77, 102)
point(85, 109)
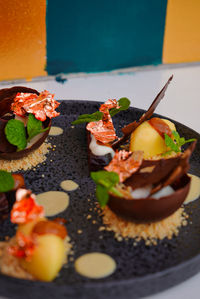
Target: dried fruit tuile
point(25, 208)
point(125, 164)
point(41, 106)
point(103, 130)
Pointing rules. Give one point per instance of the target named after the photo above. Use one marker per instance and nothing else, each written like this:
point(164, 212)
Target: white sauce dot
point(194, 191)
point(54, 131)
point(54, 202)
point(69, 185)
point(95, 265)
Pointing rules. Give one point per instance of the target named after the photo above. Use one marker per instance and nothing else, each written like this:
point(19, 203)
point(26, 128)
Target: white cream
point(24, 120)
point(34, 139)
point(145, 192)
point(141, 192)
point(166, 191)
point(100, 150)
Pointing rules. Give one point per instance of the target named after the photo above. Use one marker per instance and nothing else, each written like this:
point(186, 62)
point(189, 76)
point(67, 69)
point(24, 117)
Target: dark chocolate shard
point(165, 171)
point(127, 130)
point(182, 168)
point(160, 171)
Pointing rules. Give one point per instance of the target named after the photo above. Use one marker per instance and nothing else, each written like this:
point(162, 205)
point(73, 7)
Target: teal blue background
point(93, 36)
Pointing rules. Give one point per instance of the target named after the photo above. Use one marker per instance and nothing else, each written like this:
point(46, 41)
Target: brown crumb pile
point(32, 160)
point(149, 232)
point(9, 265)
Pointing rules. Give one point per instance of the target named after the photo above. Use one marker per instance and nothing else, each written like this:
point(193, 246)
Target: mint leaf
point(105, 182)
point(6, 181)
point(105, 178)
point(16, 134)
point(171, 144)
point(181, 140)
point(86, 118)
point(102, 195)
point(176, 137)
point(190, 140)
point(124, 104)
point(34, 127)
point(175, 145)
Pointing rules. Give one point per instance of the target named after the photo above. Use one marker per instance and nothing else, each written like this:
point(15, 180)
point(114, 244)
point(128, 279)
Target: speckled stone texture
point(141, 270)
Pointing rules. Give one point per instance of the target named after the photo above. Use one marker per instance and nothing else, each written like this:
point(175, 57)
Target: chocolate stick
point(127, 130)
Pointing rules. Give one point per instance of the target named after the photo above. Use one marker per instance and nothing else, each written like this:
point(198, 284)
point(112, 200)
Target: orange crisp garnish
point(160, 126)
point(125, 163)
point(24, 247)
point(41, 106)
point(25, 208)
point(103, 130)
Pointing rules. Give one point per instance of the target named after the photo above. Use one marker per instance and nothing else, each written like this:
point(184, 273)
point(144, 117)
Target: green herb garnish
point(124, 104)
point(175, 143)
point(6, 181)
point(34, 127)
point(16, 133)
point(86, 118)
point(106, 182)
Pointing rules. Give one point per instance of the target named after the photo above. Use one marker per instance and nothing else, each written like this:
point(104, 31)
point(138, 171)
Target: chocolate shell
point(7, 199)
point(99, 162)
point(149, 209)
point(169, 172)
point(7, 150)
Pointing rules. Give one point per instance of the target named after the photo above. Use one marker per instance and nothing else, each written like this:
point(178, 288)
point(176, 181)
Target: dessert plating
point(39, 248)
point(25, 120)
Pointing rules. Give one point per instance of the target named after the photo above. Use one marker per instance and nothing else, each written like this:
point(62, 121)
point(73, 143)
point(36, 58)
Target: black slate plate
point(141, 270)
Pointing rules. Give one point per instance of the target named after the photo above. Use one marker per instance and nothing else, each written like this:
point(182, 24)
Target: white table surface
point(181, 103)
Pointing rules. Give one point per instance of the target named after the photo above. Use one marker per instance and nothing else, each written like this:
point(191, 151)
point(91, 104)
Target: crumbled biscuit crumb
point(32, 160)
point(149, 232)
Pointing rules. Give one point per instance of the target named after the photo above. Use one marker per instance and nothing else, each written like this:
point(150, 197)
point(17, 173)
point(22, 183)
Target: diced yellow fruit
point(27, 227)
point(145, 138)
point(47, 259)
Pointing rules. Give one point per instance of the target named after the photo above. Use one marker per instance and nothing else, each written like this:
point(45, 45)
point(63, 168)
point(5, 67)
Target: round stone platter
point(141, 270)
